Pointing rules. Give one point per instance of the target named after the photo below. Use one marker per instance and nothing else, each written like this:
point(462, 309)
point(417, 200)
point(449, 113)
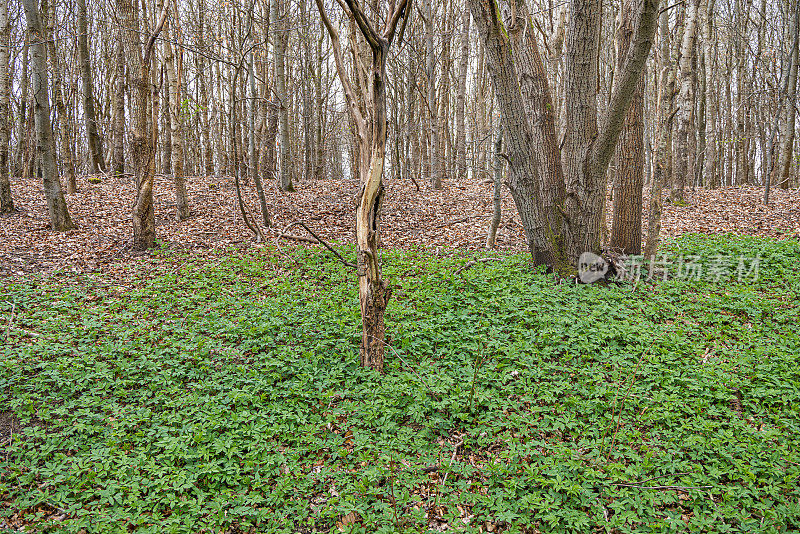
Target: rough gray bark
point(46, 146)
point(524, 167)
point(587, 148)
point(541, 115)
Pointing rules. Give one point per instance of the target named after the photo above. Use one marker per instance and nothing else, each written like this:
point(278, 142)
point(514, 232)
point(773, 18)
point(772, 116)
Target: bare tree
point(60, 220)
point(280, 39)
point(139, 56)
point(93, 139)
point(558, 239)
point(685, 102)
point(371, 125)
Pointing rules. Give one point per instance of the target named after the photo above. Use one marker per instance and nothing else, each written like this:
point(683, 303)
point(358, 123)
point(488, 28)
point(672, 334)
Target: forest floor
point(223, 394)
point(211, 385)
point(455, 217)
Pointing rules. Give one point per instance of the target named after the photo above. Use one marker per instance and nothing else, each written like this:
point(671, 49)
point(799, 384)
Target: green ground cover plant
point(225, 395)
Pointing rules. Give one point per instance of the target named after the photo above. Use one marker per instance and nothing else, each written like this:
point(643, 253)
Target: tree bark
point(461, 100)
point(374, 292)
point(93, 139)
point(6, 200)
point(664, 117)
point(49, 12)
point(142, 150)
point(118, 157)
point(626, 226)
point(280, 38)
point(524, 166)
point(491, 238)
point(174, 104)
point(709, 165)
point(685, 103)
point(60, 220)
point(789, 111)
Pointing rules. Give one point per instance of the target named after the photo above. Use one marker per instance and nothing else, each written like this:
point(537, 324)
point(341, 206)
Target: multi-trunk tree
point(562, 220)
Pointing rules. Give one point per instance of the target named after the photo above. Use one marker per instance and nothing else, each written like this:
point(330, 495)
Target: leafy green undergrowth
point(225, 394)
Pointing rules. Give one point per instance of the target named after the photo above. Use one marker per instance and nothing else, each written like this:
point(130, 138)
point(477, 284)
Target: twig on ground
point(454, 221)
point(473, 263)
point(320, 240)
point(676, 488)
point(439, 488)
point(640, 482)
point(301, 238)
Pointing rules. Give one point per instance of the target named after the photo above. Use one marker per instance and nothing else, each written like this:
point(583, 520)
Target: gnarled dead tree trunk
point(370, 123)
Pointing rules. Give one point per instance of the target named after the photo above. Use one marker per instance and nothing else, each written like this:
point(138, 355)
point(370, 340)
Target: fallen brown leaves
point(454, 217)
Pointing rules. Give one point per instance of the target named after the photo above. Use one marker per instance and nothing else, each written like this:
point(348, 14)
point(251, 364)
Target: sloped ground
point(455, 217)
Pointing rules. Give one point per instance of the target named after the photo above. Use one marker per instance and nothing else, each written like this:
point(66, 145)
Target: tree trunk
point(540, 111)
point(709, 164)
point(373, 291)
point(435, 148)
point(94, 141)
point(626, 226)
point(6, 200)
point(144, 232)
point(664, 117)
point(49, 11)
point(523, 168)
point(497, 188)
point(174, 104)
point(46, 146)
point(685, 103)
point(280, 38)
point(789, 112)
point(118, 162)
point(461, 101)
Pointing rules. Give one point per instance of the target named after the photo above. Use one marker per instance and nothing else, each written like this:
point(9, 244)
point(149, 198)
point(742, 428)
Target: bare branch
point(363, 24)
point(642, 41)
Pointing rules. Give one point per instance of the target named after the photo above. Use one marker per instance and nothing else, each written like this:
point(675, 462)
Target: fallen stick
point(677, 488)
point(320, 241)
point(454, 221)
point(294, 237)
point(474, 262)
